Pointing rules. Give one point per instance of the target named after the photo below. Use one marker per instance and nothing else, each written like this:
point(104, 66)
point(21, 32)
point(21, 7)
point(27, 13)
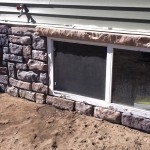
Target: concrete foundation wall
point(24, 73)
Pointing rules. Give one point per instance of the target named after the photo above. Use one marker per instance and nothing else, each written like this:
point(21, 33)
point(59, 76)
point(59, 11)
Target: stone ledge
point(95, 36)
point(83, 108)
point(107, 114)
point(136, 122)
point(61, 103)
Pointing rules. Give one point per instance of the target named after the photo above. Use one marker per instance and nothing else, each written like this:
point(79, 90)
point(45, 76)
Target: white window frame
point(108, 83)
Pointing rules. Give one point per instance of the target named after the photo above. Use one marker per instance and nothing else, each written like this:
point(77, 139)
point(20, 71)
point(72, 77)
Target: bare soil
point(25, 125)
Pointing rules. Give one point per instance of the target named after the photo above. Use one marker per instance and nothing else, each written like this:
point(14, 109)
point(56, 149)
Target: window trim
point(109, 76)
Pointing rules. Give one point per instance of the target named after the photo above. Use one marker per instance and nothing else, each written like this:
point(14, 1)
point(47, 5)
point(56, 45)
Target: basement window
point(131, 78)
point(80, 69)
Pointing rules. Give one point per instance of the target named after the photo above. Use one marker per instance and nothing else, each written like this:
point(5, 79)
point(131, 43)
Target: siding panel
point(128, 15)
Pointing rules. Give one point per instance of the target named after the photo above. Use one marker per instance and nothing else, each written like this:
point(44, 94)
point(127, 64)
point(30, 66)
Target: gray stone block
point(39, 43)
point(27, 51)
point(44, 78)
point(3, 70)
point(107, 114)
point(37, 65)
point(21, 66)
point(15, 49)
point(84, 108)
point(2, 88)
point(4, 63)
point(136, 122)
point(12, 57)
point(61, 103)
point(5, 50)
point(27, 94)
point(3, 40)
point(27, 76)
point(39, 55)
point(11, 69)
point(4, 79)
point(22, 30)
point(20, 84)
point(12, 91)
point(39, 87)
point(4, 29)
point(40, 98)
point(24, 40)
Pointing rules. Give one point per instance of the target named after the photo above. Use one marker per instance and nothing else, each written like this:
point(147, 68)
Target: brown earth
point(26, 125)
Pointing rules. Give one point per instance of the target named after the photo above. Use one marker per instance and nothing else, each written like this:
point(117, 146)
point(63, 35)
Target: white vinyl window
point(99, 74)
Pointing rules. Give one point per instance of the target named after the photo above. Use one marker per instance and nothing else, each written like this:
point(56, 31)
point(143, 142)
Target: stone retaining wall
point(24, 73)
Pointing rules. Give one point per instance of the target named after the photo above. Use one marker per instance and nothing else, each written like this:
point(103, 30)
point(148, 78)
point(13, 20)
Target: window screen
point(80, 69)
point(131, 78)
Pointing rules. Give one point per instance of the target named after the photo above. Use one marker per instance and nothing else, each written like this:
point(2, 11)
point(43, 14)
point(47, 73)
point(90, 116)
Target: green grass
point(145, 101)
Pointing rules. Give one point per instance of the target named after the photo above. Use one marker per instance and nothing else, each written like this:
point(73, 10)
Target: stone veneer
point(24, 70)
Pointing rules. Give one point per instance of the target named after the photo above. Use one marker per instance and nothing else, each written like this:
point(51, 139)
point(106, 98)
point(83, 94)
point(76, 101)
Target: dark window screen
point(131, 78)
point(80, 69)
point(1, 55)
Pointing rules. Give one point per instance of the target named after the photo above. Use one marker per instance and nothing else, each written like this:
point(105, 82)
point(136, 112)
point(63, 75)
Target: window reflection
point(131, 78)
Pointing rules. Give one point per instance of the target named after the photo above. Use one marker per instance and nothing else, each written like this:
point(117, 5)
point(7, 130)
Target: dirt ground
point(26, 125)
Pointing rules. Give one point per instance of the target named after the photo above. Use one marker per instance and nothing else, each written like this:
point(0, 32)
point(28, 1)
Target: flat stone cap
point(95, 36)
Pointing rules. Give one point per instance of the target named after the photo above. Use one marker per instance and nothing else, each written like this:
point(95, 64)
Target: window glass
point(80, 69)
point(131, 78)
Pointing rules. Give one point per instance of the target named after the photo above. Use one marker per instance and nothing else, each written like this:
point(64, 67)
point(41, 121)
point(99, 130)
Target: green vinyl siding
point(128, 15)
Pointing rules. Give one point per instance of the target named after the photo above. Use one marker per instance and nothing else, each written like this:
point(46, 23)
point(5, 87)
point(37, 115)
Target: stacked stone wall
point(24, 65)
point(24, 73)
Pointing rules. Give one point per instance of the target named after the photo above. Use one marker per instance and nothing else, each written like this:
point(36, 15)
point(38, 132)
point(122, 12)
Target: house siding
point(127, 15)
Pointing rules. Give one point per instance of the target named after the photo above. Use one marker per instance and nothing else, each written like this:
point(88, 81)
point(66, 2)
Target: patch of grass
point(145, 101)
